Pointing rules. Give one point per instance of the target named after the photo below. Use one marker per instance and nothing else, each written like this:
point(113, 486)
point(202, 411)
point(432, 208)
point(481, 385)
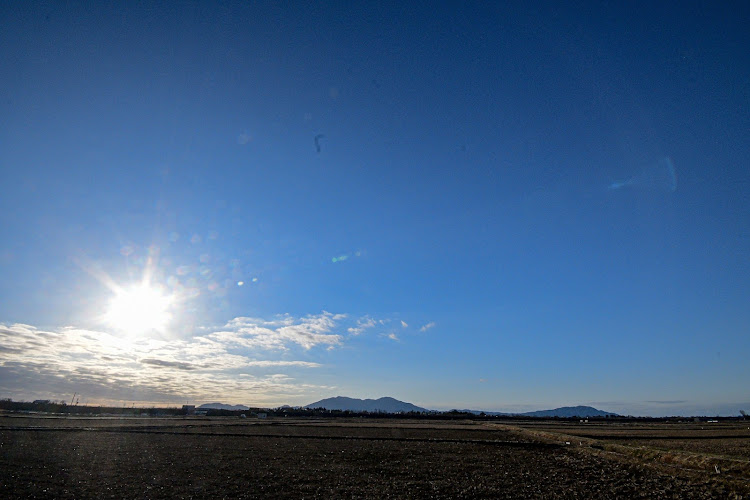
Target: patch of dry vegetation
point(717, 454)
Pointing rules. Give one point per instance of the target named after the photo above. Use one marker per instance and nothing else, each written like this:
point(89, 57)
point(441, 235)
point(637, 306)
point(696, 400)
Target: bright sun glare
point(139, 309)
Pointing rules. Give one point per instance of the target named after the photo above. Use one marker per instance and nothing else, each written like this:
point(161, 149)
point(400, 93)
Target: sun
point(139, 309)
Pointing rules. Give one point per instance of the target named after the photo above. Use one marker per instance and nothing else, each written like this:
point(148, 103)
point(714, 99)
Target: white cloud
point(312, 330)
point(404, 324)
point(305, 364)
point(231, 362)
point(308, 332)
point(427, 327)
point(106, 367)
point(362, 325)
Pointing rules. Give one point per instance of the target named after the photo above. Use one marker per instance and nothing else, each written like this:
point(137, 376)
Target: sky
point(497, 207)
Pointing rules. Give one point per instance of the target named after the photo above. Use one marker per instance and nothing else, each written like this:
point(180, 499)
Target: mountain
point(222, 406)
point(386, 405)
point(565, 411)
point(569, 411)
point(489, 413)
point(390, 405)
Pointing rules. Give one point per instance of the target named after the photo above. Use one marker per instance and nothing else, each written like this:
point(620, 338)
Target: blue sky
point(494, 207)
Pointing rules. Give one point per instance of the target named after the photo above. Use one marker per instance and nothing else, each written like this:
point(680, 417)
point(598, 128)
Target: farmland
point(196, 457)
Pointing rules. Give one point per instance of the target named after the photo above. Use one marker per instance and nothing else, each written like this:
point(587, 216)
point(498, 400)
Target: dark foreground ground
point(217, 458)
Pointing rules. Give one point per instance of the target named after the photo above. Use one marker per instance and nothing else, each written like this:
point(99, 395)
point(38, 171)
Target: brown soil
point(192, 458)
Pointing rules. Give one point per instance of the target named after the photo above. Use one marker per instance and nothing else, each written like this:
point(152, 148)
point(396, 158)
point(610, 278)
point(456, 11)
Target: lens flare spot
point(661, 176)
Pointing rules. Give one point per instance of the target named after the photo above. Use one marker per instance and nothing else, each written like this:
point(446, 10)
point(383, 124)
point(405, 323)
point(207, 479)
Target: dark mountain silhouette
point(569, 411)
point(565, 411)
point(222, 406)
point(386, 405)
point(390, 405)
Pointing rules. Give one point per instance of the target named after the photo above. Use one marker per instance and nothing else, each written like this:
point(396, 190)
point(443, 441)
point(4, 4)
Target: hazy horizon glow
point(493, 207)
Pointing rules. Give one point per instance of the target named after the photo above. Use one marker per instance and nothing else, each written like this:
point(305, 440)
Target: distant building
point(262, 415)
point(188, 409)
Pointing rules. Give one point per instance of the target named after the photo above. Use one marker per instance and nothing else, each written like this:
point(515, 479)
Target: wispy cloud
point(404, 324)
point(308, 332)
point(169, 364)
point(393, 337)
point(671, 407)
point(214, 364)
point(427, 327)
point(305, 364)
point(362, 325)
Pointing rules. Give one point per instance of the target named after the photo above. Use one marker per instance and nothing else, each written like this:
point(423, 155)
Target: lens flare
point(660, 176)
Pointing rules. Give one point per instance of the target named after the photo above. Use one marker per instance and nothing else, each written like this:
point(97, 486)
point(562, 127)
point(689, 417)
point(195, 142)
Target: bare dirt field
point(360, 458)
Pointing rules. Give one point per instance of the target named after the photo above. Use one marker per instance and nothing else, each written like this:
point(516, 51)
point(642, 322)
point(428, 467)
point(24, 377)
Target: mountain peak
point(570, 411)
point(222, 406)
point(384, 404)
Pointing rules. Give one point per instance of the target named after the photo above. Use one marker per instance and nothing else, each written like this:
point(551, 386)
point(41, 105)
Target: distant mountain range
point(385, 405)
point(564, 412)
point(222, 406)
point(570, 411)
point(390, 405)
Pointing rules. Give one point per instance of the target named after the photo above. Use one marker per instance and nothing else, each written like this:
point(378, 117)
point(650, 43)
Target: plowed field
point(200, 458)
